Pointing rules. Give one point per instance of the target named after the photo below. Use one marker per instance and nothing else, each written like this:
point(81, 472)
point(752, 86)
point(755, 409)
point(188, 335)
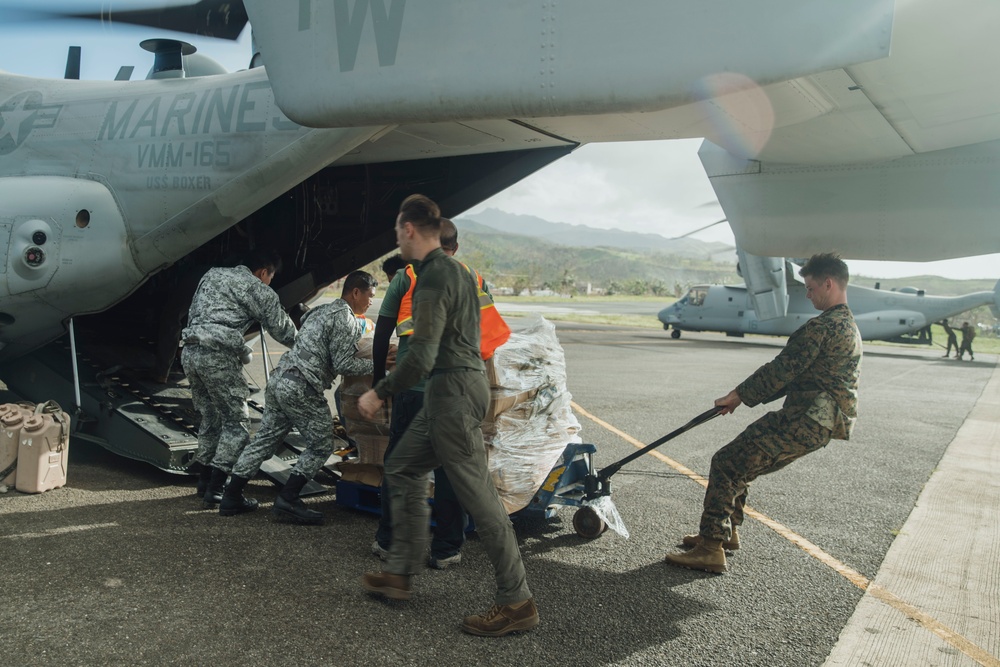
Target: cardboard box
point(369, 474)
point(356, 424)
point(371, 448)
point(491, 372)
point(501, 401)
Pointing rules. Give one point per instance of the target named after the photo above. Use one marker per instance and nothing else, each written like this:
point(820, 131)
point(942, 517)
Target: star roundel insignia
point(21, 114)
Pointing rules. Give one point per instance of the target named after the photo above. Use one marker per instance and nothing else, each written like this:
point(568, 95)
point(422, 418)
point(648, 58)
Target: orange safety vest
point(404, 318)
point(493, 331)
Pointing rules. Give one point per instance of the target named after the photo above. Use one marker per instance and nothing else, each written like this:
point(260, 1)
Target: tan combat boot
point(502, 620)
point(394, 586)
point(732, 544)
point(707, 556)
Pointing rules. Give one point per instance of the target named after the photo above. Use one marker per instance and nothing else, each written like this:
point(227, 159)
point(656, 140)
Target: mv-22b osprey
point(111, 192)
point(880, 314)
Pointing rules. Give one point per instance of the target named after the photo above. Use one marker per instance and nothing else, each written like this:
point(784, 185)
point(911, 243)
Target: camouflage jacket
point(226, 303)
point(326, 346)
point(817, 372)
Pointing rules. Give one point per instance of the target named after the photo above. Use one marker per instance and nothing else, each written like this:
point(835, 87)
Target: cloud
point(660, 187)
point(656, 187)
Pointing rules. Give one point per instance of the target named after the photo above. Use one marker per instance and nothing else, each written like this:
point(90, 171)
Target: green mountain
point(582, 236)
point(523, 251)
point(519, 261)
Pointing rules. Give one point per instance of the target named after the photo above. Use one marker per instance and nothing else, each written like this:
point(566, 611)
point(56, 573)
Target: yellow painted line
point(970, 649)
point(931, 624)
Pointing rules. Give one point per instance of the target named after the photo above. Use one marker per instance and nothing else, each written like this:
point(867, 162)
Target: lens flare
point(738, 112)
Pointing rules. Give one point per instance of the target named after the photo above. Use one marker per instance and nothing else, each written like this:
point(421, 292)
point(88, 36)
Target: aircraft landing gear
point(676, 333)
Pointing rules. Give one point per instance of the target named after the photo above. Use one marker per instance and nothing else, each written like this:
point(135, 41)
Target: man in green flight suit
point(395, 314)
point(817, 372)
point(446, 431)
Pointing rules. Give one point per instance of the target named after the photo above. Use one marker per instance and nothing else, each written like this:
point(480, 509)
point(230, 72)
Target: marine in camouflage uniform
point(226, 303)
point(817, 372)
point(324, 348)
point(968, 334)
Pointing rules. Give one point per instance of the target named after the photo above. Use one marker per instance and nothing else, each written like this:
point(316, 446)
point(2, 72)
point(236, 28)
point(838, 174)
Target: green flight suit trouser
point(446, 432)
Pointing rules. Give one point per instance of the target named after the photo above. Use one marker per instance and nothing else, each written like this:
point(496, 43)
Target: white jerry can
point(43, 451)
point(12, 418)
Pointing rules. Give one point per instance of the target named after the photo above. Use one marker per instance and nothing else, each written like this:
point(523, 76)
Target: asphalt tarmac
point(122, 567)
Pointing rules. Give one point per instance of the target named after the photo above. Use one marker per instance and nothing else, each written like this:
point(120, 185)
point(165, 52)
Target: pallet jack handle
point(600, 484)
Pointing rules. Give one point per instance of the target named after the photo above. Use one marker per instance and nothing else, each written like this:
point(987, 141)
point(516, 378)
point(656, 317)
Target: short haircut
point(361, 280)
point(263, 258)
point(449, 234)
point(422, 213)
point(393, 264)
point(826, 265)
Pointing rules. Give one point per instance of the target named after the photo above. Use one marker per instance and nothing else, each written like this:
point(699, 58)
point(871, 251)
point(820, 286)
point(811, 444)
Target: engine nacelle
point(65, 252)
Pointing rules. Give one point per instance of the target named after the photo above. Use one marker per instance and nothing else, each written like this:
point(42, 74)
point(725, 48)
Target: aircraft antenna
point(168, 61)
point(73, 63)
point(701, 229)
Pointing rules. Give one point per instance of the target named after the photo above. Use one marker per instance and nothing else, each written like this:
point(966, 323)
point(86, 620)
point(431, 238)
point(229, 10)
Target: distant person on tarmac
point(817, 372)
point(226, 302)
point(968, 333)
point(952, 339)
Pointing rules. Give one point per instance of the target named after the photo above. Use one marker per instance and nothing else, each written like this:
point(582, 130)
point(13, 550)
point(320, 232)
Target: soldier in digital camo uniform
point(817, 372)
point(226, 303)
point(325, 348)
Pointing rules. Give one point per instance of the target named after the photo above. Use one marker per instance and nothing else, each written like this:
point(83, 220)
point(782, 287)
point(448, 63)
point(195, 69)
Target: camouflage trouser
point(446, 433)
point(768, 444)
point(290, 402)
point(219, 394)
point(952, 342)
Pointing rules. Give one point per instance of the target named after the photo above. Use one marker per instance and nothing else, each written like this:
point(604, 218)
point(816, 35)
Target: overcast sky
point(656, 187)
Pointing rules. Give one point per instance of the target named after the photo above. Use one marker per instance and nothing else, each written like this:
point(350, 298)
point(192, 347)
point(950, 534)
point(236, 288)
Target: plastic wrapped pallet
point(526, 439)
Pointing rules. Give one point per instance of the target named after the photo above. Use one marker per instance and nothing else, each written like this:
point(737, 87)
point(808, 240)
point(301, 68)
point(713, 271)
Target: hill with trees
point(522, 252)
point(524, 262)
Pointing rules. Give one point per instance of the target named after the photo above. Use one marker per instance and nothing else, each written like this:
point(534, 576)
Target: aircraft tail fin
point(995, 306)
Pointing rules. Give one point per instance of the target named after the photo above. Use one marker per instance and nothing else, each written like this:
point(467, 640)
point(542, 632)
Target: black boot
point(289, 507)
point(233, 501)
point(213, 493)
point(204, 475)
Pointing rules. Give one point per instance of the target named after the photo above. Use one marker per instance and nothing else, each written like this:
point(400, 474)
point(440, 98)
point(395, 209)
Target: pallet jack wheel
point(588, 523)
